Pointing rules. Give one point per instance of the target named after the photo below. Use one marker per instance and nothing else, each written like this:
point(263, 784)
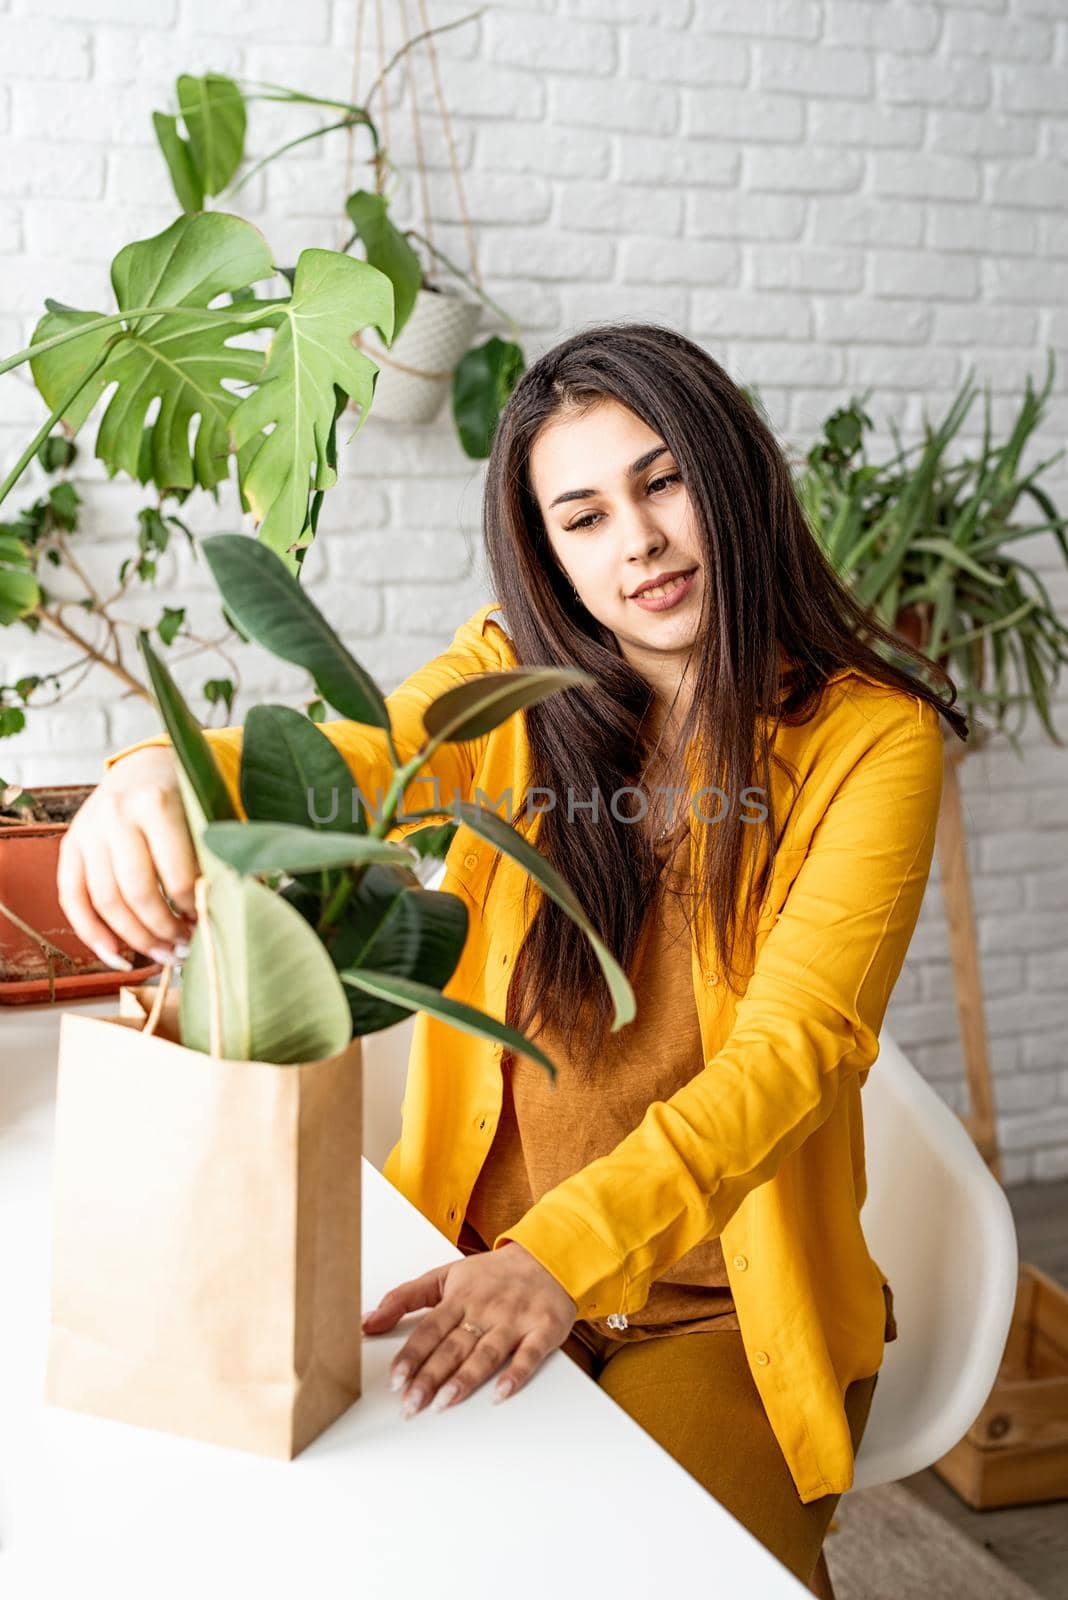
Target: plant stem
point(49, 423)
point(90, 650)
point(414, 233)
point(46, 945)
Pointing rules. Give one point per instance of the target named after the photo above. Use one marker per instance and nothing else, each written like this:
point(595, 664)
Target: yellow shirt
point(546, 1131)
point(762, 1147)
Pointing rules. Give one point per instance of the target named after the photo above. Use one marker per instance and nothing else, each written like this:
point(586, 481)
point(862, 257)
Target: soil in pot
point(41, 958)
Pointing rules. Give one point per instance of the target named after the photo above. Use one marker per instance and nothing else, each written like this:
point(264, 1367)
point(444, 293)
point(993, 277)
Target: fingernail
point(443, 1396)
point(412, 1403)
point(181, 950)
point(398, 1379)
point(119, 963)
point(160, 952)
point(503, 1390)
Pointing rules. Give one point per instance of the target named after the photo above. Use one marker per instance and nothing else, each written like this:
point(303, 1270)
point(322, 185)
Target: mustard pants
point(695, 1395)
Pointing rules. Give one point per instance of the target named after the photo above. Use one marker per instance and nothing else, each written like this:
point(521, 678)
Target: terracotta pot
point(29, 860)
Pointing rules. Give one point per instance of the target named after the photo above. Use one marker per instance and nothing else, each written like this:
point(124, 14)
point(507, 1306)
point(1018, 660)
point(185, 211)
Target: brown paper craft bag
point(206, 1234)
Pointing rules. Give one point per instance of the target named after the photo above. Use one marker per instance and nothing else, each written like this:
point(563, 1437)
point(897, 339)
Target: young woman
point(746, 807)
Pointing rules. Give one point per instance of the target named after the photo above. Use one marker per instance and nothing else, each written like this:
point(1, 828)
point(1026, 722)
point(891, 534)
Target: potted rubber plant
point(170, 342)
point(927, 539)
point(232, 1111)
point(49, 590)
point(437, 304)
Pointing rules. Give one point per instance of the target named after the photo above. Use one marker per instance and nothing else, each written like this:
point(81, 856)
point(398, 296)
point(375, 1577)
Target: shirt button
point(482, 1122)
point(618, 1319)
point(761, 1357)
point(452, 1213)
point(741, 1262)
point(711, 978)
point(471, 859)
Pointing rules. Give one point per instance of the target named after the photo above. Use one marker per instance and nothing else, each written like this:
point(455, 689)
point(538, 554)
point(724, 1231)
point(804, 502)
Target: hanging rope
point(350, 131)
point(380, 179)
point(447, 128)
point(417, 130)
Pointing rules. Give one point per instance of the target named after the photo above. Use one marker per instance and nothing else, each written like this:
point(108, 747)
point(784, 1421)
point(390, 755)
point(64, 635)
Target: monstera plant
point(170, 342)
point(330, 910)
point(203, 144)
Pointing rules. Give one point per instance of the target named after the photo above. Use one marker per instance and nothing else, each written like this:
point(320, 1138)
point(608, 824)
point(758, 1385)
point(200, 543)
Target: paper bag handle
point(151, 1021)
point(200, 895)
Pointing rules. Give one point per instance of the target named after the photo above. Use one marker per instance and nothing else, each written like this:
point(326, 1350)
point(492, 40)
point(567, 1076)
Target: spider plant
point(927, 541)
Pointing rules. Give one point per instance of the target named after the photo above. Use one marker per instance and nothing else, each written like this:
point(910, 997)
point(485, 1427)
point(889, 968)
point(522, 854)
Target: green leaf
point(216, 689)
point(56, 452)
point(63, 502)
point(281, 998)
point(290, 772)
point(213, 110)
point(168, 625)
point(396, 927)
point(179, 158)
point(270, 605)
point(483, 380)
point(12, 720)
point(310, 357)
point(195, 759)
point(182, 360)
point(500, 834)
point(421, 997)
point(20, 593)
point(387, 249)
point(286, 847)
point(482, 703)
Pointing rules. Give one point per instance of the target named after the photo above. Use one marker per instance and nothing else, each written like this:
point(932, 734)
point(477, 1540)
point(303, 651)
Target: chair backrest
point(940, 1227)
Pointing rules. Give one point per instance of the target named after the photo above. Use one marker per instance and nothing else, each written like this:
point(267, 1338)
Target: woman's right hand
point(125, 841)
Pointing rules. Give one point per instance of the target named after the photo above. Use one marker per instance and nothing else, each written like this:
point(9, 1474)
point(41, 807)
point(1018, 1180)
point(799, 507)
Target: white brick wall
point(830, 194)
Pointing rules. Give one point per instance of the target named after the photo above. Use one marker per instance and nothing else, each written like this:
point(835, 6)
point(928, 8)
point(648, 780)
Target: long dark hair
point(768, 587)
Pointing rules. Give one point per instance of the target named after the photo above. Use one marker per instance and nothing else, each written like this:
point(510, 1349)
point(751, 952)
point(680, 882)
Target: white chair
point(935, 1220)
point(940, 1227)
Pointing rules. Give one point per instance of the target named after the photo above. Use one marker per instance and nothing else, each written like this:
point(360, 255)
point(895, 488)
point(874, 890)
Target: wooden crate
point(1016, 1451)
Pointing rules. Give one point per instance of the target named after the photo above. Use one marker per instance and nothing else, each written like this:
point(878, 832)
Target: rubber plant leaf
point(421, 997)
point(269, 605)
point(263, 952)
point(291, 772)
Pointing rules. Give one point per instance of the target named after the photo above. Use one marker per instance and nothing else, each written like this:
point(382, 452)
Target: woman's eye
point(594, 516)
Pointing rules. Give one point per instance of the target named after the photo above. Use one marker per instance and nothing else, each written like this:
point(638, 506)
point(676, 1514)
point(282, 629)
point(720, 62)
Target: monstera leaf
point(387, 249)
point(311, 355)
point(181, 358)
point(168, 343)
point(213, 111)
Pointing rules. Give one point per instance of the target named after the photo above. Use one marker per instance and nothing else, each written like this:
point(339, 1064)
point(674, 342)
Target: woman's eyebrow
point(632, 472)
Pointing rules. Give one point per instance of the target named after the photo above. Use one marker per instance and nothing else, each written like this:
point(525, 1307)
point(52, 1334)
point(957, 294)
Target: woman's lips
point(666, 602)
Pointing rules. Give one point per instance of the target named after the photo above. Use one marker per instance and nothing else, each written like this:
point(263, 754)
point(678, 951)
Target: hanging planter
point(41, 958)
point(416, 371)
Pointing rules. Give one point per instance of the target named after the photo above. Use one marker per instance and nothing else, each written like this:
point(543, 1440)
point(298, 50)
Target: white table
point(556, 1491)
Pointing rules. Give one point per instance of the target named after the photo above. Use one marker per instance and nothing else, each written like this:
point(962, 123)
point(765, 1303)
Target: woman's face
point(618, 515)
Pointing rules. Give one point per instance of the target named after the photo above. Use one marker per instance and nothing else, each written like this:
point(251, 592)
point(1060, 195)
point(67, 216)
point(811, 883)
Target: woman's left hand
point(525, 1312)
